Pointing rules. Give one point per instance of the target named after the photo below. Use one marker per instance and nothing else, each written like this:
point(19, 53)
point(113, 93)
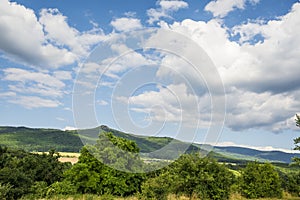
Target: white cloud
point(60, 119)
point(70, 128)
point(171, 5)
point(264, 148)
point(220, 8)
point(258, 77)
point(29, 82)
point(30, 102)
point(22, 38)
point(246, 110)
point(45, 42)
point(7, 94)
point(126, 24)
point(79, 43)
point(171, 104)
point(165, 9)
point(63, 75)
point(102, 102)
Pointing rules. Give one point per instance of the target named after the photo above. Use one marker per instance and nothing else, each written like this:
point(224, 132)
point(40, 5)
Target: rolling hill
point(40, 139)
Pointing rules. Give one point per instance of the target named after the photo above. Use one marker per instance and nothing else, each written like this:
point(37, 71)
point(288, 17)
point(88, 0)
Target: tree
point(97, 169)
point(291, 183)
point(21, 170)
point(297, 141)
point(260, 181)
point(191, 176)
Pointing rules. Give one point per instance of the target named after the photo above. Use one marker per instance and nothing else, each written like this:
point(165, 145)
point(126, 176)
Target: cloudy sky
point(154, 67)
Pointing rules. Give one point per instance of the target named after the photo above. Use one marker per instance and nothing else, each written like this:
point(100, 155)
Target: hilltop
point(41, 139)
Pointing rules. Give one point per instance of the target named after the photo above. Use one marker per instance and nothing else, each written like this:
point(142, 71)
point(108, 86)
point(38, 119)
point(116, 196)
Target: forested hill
point(41, 139)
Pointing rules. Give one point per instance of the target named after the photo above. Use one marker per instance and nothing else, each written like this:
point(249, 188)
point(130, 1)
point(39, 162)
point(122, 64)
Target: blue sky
point(50, 51)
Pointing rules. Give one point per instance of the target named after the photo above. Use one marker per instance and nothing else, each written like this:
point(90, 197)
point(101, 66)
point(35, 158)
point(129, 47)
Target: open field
point(66, 156)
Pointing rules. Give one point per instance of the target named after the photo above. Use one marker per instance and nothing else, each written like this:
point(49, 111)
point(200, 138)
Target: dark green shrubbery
point(23, 173)
point(291, 183)
point(260, 181)
point(190, 176)
point(90, 175)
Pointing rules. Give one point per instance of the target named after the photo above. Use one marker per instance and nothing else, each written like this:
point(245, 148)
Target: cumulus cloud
point(172, 103)
point(78, 42)
point(44, 42)
point(258, 76)
point(220, 8)
point(165, 9)
point(22, 38)
point(126, 24)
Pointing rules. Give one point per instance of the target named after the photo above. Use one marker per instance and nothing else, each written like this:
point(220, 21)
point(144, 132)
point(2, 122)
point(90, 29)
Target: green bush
point(63, 188)
point(90, 175)
point(291, 183)
point(190, 176)
point(157, 187)
point(4, 190)
point(26, 172)
point(260, 181)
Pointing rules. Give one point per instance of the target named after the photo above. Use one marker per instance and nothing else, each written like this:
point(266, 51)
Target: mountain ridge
point(43, 139)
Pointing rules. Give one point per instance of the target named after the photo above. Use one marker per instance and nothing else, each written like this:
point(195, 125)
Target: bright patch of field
point(65, 156)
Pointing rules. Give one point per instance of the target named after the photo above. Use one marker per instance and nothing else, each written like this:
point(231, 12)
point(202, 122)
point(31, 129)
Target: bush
point(90, 175)
point(260, 181)
point(291, 183)
point(157, 187)
point(4, 190)
point(63, 188)
point(191, 176)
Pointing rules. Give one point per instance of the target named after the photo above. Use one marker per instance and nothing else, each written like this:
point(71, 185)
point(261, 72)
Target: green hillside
point(40, 139)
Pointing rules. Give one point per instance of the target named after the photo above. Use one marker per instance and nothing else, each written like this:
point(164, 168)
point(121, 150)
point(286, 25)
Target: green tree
point(291, 183)
point(297, 142)
point(22, 170)
point(260, 181)
point(191, 176)
point(97, 168)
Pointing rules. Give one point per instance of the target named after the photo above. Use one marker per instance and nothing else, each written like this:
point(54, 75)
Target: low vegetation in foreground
point(25, 175)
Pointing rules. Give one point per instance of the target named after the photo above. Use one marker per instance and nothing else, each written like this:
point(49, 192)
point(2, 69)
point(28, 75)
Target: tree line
point(33, 176)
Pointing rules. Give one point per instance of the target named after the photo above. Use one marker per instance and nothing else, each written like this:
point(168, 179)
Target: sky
point(224, 72)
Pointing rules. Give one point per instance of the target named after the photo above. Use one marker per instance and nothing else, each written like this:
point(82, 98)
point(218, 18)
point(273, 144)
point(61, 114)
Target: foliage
point(38, 139)
point(260, 181)
point(291, 183)
point(297, 141)
point(191, 176)
point(93, 175)
point(64, 188)
point(22, 170)
point(4, 190)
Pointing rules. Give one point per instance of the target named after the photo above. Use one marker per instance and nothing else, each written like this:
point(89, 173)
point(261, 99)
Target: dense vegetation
point(297, 141)
point(32, 176)
point(25, 175)
point(41, 140)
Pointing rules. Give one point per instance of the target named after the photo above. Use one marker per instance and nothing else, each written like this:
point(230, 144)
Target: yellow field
point(65, 156)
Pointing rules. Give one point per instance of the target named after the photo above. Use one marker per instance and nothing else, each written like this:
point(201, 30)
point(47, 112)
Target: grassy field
point(66, 156)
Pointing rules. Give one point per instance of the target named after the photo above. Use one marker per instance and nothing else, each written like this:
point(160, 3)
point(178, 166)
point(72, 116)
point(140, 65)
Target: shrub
point(260, 181)
point(191, 176)
point(4, 190)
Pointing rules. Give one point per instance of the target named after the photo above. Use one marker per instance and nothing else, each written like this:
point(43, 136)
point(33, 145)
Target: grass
point(234, 196)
